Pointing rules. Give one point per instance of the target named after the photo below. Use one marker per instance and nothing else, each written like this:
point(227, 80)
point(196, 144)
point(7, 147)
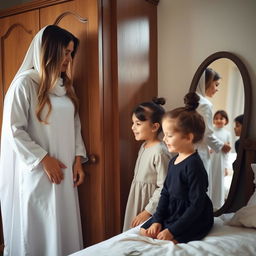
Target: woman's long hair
point(54, 41)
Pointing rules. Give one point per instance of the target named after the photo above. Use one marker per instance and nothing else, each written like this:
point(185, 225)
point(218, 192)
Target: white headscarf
point(31, 65)
point(31, 62)
point(201, 85)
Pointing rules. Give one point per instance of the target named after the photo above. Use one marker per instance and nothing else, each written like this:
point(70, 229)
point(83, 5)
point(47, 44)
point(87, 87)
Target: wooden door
point(99, 196)
point(16, 33)
point(81, 18)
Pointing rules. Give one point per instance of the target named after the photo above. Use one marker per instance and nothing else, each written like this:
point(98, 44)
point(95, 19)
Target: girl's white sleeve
point(15, 124)
point(80, 147)
point(161, 162)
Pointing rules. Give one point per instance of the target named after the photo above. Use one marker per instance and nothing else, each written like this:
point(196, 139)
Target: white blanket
point(222, 240)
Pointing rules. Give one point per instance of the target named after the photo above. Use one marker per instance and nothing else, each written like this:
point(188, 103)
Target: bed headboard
point(242, 186)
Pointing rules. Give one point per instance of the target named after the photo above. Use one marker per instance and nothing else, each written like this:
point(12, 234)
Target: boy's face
point(238, 129)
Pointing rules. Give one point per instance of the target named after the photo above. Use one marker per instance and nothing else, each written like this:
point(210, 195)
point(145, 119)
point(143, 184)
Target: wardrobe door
point(81, 19)
point(16, 33)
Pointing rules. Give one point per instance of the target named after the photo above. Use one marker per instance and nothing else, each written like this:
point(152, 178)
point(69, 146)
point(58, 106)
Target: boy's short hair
point(239, 119)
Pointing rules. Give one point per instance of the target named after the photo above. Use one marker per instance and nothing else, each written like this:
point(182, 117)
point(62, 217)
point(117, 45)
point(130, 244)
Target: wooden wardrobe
point(115, 69)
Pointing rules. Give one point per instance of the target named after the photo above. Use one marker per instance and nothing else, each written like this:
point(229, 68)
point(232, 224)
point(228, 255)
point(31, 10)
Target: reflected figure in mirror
point(208, 86)
point(238, 129)
point(219, 160)
point(151, 165)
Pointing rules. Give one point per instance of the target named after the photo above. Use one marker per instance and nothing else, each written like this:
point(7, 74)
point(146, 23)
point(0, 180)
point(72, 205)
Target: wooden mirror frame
point(237, 165)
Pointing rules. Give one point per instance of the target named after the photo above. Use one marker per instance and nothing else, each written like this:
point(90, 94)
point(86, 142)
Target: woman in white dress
point(42, 151)
point(219, 161)
point(208, 86)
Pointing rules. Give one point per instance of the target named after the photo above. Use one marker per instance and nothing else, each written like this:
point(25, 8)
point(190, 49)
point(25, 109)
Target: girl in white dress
point(151, 165)
point(42, 151)
point(208, 86)
point(219, 160)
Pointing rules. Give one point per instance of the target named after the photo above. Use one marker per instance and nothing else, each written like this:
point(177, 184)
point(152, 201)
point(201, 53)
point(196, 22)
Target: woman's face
point(67, 56)
point(212, 89)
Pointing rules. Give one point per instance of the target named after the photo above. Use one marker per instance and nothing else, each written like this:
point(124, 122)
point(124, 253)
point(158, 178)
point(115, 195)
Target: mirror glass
point(233, 96)
point(230, 98)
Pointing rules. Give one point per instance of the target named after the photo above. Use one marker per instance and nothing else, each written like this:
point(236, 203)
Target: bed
point(222, 240)
point(232, 234)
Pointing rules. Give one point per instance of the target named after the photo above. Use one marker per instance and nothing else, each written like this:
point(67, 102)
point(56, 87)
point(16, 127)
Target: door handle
point(92, 159)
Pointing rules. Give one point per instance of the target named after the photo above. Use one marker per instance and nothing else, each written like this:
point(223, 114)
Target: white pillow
point(246, 216)
point(252, 200)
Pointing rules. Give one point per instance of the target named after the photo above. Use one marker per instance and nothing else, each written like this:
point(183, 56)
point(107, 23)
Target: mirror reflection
point(227, 105)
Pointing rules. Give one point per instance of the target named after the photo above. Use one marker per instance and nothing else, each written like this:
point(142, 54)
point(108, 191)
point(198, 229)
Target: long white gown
point(209, 139)
point(39, 218)
point(219, 162)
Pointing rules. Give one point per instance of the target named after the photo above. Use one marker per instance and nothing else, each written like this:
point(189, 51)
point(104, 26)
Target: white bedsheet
point(223, 240)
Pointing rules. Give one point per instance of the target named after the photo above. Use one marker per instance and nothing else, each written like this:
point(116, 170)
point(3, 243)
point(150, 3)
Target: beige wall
point(191, 30)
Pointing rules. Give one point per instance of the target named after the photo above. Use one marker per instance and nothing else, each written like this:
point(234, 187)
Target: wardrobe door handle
point(92, 159)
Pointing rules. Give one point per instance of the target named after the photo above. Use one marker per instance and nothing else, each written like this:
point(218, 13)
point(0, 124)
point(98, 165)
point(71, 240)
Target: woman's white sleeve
point(211, 140)
point(80, 147)
point(15, 124)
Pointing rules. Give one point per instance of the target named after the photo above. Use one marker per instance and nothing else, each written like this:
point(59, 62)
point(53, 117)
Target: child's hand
point(226, 148)
point(154, 230)
point(140, 218)
point(165, 235)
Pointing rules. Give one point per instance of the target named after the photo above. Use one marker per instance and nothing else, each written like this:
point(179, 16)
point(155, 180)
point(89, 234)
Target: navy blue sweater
point(184, 206)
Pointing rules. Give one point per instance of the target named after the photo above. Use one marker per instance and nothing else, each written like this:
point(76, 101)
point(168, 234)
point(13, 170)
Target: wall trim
point(29, 7)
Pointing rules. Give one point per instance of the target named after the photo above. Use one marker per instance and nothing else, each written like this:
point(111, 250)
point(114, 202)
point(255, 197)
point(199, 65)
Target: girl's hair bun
point(159, 101)
point(191, 101)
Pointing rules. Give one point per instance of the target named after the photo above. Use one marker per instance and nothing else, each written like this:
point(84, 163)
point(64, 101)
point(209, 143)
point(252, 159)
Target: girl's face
point(67, 56)
point(143, 130)
point(212, 89)
point(238, 129)
point(175, 141)
point(219, 121)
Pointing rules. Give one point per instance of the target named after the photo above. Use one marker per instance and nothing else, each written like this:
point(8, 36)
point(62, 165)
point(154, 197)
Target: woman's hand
point(78, 172)
point(52, 167)
point(140, 218)
point(154, 230)
point(226, 148)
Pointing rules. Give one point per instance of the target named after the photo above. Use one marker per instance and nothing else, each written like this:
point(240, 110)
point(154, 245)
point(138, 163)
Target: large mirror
point(233, 97)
